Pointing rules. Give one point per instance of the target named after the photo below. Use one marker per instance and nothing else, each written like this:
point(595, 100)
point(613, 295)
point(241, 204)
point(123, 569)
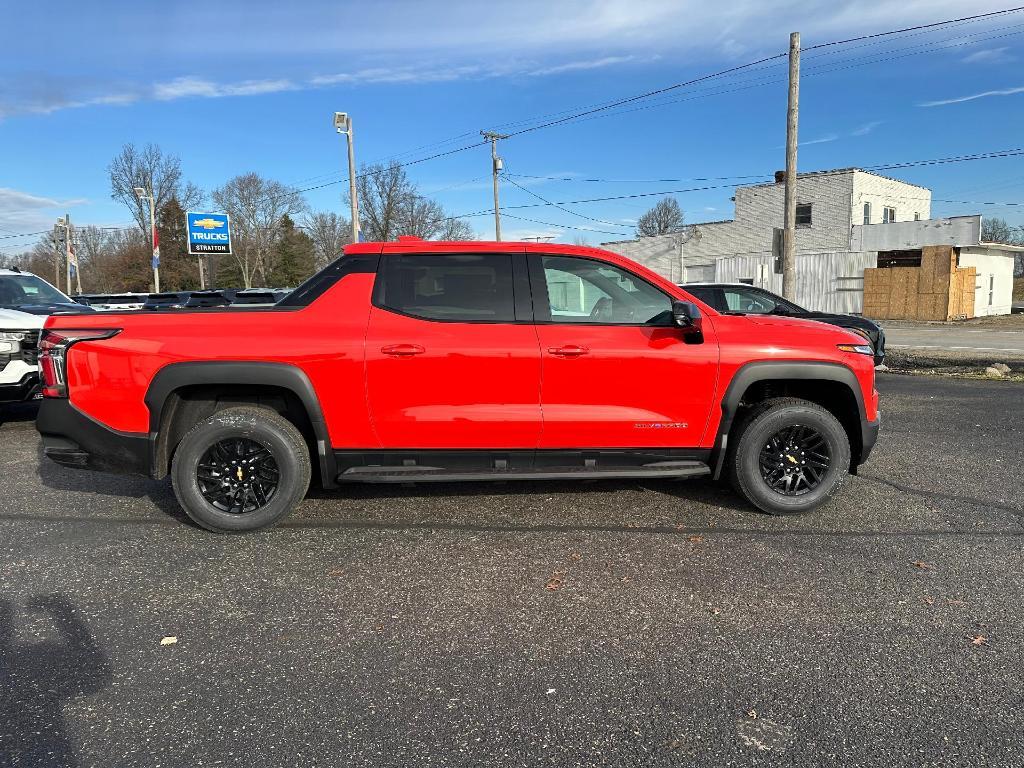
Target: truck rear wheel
point(242, 469)
point(788, 456)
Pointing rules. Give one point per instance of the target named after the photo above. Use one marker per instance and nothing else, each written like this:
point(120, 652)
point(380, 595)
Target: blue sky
point(236, 86)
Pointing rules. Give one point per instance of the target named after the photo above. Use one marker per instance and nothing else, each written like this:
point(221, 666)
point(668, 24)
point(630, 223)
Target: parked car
point(169, 300)
point(419, 362)
point(25, 301)
point(740, 298)
point(113, 302)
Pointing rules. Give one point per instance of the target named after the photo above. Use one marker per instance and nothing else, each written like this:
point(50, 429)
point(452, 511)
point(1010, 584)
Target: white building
point(839, 214)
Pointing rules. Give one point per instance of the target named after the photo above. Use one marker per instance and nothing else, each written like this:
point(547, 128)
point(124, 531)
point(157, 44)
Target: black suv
point(740, 298)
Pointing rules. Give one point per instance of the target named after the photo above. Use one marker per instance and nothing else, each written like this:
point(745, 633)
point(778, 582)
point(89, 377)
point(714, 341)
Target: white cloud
point(821, 140)
point(867, 128)
point(24, 212)
point(989, 56)
point(578, 66)
point(185, 87)
point(973, 96)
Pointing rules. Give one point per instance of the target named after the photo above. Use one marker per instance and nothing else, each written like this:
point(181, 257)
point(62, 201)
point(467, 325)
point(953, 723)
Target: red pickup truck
point(413, 361)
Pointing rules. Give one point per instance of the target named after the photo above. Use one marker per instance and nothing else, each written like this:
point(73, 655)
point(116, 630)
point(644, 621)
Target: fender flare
point(773, 370)
point(242, 372)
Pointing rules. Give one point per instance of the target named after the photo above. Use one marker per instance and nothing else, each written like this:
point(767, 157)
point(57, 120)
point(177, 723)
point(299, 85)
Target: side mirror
point(687, 316)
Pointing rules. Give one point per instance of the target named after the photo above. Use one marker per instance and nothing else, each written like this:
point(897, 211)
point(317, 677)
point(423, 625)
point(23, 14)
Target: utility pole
point(496, 166)
point(789, 217)
point(343, 124)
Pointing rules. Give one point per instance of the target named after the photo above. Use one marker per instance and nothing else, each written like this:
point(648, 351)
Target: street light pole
point(142, 195)
point(496, 166)
point(343, 124)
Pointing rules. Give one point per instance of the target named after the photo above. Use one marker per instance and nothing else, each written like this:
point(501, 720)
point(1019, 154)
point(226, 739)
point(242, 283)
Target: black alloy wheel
point(787, 455)
point(242, 469)
point(795, 460)
point(237, 475)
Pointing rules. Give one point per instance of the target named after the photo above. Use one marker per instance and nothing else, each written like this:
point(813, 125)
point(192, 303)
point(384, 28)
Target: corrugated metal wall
point(827, 282)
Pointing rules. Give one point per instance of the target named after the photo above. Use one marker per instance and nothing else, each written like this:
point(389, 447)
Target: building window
point(917, 216)
point(803, 215)
point(888, 215)
point(867, 213)
point(991, 289)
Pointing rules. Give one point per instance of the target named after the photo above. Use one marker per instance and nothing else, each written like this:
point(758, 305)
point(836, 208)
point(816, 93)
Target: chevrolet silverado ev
point(415, 362)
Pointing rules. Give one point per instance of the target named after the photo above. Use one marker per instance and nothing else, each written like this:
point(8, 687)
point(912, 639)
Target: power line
point(565, 226)
point(947, 22)
point(890, 166)
point(514, 183)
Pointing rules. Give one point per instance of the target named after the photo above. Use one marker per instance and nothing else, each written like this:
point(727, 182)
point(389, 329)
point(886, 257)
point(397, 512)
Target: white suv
point(25, 302)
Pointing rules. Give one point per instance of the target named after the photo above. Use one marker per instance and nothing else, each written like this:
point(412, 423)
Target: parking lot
point(613, 623)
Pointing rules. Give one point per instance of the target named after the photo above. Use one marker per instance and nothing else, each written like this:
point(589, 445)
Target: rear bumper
point(24, 389)
point(72, 439)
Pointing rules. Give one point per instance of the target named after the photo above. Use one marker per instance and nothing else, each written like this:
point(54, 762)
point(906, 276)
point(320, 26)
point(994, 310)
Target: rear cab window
point(462, 287)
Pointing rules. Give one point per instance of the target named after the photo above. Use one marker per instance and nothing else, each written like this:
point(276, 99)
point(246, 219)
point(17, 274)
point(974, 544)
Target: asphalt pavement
point(993, 342)
point(609, 623)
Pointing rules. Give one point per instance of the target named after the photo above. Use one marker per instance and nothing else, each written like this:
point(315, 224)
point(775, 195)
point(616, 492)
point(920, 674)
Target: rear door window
point(466, 288)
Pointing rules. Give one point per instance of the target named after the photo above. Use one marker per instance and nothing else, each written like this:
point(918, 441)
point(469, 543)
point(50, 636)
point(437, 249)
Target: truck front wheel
point(788, 456)
point(242, 469)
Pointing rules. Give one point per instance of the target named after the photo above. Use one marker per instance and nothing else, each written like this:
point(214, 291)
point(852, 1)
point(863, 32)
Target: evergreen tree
point(294, 256)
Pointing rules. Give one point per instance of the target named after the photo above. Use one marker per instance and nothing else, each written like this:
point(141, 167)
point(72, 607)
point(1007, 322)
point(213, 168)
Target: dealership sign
point(208, 233)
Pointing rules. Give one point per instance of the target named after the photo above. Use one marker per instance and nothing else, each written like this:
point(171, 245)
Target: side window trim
point(521, 298)
point(542, 302)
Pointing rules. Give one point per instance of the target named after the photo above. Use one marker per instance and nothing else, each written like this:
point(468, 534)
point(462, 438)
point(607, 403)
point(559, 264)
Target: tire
point(241, 436)
point(758, 432)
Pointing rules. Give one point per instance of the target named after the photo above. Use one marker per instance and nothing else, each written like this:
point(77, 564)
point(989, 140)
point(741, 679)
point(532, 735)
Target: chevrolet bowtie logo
point(207, 223)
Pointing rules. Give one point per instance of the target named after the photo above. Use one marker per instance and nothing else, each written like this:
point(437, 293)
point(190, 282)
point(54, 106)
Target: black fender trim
point(252, 373)
point(772, 370)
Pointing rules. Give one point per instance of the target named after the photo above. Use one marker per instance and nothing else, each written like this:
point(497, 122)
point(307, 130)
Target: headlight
point(860, 349)
point(8, 347)
point(12, 335)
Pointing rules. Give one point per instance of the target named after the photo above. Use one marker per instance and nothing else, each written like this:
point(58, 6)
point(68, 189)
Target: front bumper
point(868, 437)
point(72, 439)
point(26, 388)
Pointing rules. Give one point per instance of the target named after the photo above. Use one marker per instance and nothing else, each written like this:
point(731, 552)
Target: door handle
point(403, 350)
point(569, 350)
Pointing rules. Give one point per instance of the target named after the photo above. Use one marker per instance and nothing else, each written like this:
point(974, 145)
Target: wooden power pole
point(496, 166)
point(789, 217)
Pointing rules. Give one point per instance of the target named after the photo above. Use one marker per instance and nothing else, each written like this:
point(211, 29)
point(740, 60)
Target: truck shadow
point(39, 678)
point(79, 481)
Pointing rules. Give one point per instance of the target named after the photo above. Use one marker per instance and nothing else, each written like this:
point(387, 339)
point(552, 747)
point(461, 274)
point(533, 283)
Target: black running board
point(670, 470)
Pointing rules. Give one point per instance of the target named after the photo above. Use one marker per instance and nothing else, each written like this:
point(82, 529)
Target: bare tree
point(421, 217)
point(150, 169)
point(663, 219)
point(329, 233)
point(456, 229)
point(384, 193)
point(256, 206)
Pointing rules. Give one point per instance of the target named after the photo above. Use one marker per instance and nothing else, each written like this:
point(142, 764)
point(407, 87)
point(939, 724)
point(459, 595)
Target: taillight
point(53, 350)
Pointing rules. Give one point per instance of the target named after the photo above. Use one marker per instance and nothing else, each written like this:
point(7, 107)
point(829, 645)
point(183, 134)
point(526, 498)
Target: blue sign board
point(208, 233)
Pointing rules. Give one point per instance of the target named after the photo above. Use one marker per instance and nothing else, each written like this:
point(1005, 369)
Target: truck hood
point(50, 309)
point(14, 320)
point(788, 321)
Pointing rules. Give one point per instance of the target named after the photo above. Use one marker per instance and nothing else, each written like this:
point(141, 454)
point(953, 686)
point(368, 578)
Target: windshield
point(22, 290)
